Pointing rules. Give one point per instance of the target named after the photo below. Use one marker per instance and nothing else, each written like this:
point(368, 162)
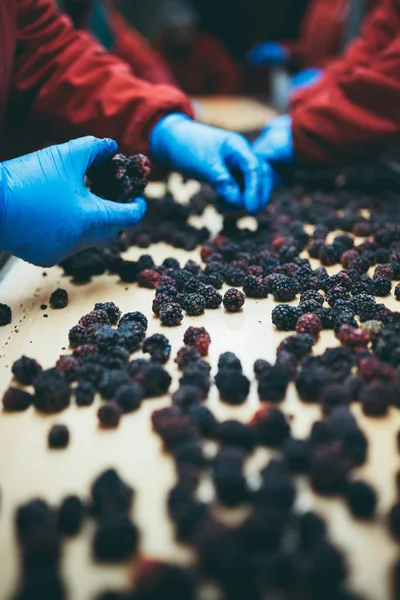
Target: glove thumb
point(122, 216)
point(89, 150)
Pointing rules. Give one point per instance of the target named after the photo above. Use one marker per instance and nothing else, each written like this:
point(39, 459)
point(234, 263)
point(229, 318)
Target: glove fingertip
point(229, 191)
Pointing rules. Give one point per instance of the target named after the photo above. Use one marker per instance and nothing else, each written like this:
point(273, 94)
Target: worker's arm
point(65, 85)
point(46, 212)
point(145, 62)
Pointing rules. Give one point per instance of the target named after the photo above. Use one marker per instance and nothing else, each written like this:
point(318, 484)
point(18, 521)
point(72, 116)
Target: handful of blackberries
point(120, 179)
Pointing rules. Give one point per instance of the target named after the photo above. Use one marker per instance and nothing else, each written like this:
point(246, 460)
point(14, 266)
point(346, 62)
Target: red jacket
point(57, 84)
point(207, 69)
point(354, 111)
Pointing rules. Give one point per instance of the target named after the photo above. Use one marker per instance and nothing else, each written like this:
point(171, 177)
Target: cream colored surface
point(237, 113)
point(29, 469)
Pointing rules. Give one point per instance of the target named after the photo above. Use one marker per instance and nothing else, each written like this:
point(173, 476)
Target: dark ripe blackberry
point(127, 270)
point(130, 336)
point(328, 470)
point(186, 355)
point(255, 287)
point(299, 345)
point(25, 370)
point(15, 400)
point(296, 454)
point(109, 415)
point(129, 397)
point(84, 393)
point(154, 380)
point(120, 179)
point(311, 382)
point(397, 291)
point(155, 580)
point(355, 447)
point(260, 367)
point(159, 301)
point(58, 436)
point(148, 279)
point(383, 271)
point(85, 264)
point(193, 267)
point(83, 352)
point(314, 248)
point(234, 276)
point(181, 277)
point(212, 297)
point(361, 499)
point(234, 433)
point(169, 290)
point(105, 337)
point(52, 391)
point(171, 314)
point(228, 477)
point(343, 306)
point(233, 300)
point(311, 295)
point(110, 495)
point(344, 318)
point(270, 425)
point(58, 298)
point(145, 262)
point(272, 384)
point(285, 317)
point(158, 346)
point(229, 361)
point(285, 289)
point(194, 304)
point(216, 280)
point(185, 396)
point(360, 300)
point(329, 255)
point(375, 399)
point(166, 280)
point(70, 515)
point(111, 381)
point(95, 317)
point(189, 454)
point(204, 420)
point(111, 309)
point(394, 520)
point(194, 285)
point(345, 241)
point(288, 363)
point(199, 338)
point(5, 314)
point(336, 293)
point(89, 372)
point(309, 323)
point(233, 387)
point(312, 531)
point(382, 286)
point(79, 335)
point(276, 488)
point(334, 395)
point(192, 376)
point(115, 540)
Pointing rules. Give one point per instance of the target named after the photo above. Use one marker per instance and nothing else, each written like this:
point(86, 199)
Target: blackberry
point(129, 397)
point(85, 264)
point(272, 384)
point(299, 345)
point(95, 317)
point(5, 314)
point(120, 179)
point(25, 370)
point(58, 298)
point(255, 287)
point(233, 387)
point(309, 323)
point(229, 361)
point(375, 399)
point(361, 499)
point(329, 255)
point(111, 381)
point(382, 286)
point(285, 289)
point(328, 470)
point(260, 367)
point(270, 425)
point(110, 495)
point(353, 338)
point(186, 396)
point(199, 338)
point(233, 300)
point(336, 293)
point(158, 347)
point(186, 355)
point(15, 400)
point(204, 420)
point(234, 276)
point(169, 290)
point(127, 270)
point(70, 516)
point(111, 309)
point(171, 314)
point(68, 366)
point(79, 335)
point(397, 291)
point(311, 382)
point(116, 539)
point(193, 304)
point(394, 520)
point(228, 477)
point(129, 335)
point(312, 531)
point(153, 379)
point(148, 279)
point(235, 433)
point(297, 454)
point(109, 415)
point(155, 580)
point(285, 317)
point(216, 280)
point(212, 297)
point(84, 393)
point(159, 301)
point(52, 391)
point(311, 295)
point(58, 436)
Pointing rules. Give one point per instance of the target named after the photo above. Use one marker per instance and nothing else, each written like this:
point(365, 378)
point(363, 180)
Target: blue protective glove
point(268, 53)
point(213, 155)
point(46, 212)
point(275, 144)
point(305, 78)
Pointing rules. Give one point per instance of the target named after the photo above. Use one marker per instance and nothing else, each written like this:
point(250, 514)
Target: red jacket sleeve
point(354, 111)
point(65, 85)
point(145, 62)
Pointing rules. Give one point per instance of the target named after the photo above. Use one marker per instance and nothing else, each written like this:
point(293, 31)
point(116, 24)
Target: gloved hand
point(215, 156)
point(305, 78)
point(46, 212)
point(268, 53)
point(275, 144)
